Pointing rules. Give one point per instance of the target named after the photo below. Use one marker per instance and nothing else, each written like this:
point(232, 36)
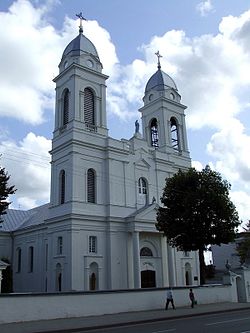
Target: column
point(171, 266)
point(137, 269)
point(164, 259)
point(130, 261)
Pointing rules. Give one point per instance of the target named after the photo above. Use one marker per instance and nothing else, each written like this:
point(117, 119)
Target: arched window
point(89, 107)
point(62, 186)
point(142, 192)
point(174, 133)
point(91, 195)
point(146, 252)
point(31, 259)
point(19, 259)
point(65, 107)
point(142, 186)
point(154, 133)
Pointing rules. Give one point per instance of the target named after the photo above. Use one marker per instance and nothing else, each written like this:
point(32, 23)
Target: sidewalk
point(88, 323)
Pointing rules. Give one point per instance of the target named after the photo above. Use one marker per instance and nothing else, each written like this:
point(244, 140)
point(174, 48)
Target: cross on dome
point(158, 56)
point(80, 16)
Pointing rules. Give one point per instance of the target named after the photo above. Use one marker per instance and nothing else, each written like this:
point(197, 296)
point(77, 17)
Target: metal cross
point(80, 16)
point(158, 56)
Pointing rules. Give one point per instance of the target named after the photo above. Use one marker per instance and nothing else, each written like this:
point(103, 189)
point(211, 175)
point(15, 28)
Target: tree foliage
point(5, 191)
point(197, 212)
point(243, 244)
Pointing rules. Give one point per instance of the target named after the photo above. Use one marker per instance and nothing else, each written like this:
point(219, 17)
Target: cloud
point(241, 200)
point(27, 163)
point(28, 50)
point(197, 165)
point(31, 49)
point(209, 72)
point(230, 148)
point(204, 7)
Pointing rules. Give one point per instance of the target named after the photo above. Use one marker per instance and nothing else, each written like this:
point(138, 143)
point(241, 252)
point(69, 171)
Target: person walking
point(191, 297)
point(169, 299)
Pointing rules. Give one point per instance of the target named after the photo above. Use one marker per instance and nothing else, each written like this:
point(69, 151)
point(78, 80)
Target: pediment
point(146, 213)
point(142, 163)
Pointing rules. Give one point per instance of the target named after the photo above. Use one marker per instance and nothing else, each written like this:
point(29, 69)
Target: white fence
point(27, 307)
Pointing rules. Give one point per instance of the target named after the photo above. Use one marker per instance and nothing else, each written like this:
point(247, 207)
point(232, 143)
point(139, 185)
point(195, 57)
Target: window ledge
point(93, 255)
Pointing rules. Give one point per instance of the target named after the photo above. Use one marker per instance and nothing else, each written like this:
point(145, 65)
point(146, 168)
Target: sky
point(205, 49)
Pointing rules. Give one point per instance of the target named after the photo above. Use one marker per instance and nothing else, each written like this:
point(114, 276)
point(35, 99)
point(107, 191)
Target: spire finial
point(81, 18)
point(158, 56)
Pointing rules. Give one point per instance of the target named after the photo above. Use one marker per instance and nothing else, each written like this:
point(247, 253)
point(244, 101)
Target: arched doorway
point(240, 289)
point(148, 274)
point(188, 274)
point(92, 282)
point(58, 277)
point(93, 276)
point(148, 279)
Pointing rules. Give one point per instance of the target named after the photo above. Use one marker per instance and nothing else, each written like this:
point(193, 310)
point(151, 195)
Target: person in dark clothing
point(191, 297)
point(169, 299)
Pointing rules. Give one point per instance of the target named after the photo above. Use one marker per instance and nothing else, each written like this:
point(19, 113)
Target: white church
point(98, 230)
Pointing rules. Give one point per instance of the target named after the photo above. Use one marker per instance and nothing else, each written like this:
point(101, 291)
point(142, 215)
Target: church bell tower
point(80, 120)
point(163, 118)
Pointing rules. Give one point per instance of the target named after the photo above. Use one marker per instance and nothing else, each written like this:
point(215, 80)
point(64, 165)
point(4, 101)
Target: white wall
point(27, 307)
point(223, 253)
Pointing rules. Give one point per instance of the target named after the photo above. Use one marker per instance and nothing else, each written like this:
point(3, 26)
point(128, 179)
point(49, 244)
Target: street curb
point(137, 322)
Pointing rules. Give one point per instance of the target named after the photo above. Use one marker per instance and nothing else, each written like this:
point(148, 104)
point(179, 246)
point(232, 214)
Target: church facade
point(98, 231)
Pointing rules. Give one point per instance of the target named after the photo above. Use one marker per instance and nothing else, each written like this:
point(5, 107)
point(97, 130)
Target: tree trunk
point(202, 266)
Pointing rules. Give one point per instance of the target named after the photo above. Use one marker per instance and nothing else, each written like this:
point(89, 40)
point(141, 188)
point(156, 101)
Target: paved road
point(234, 322)
point(217, 316)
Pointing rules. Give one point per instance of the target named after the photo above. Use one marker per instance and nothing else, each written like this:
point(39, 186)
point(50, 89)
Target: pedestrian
point(191, 297)
point(169, 299)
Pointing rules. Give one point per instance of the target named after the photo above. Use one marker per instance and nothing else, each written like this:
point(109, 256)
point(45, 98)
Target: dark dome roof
point(79, 45)
point(160, 81)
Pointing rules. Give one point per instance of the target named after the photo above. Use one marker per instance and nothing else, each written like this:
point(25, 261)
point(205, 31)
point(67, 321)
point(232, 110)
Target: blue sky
point(205, 49)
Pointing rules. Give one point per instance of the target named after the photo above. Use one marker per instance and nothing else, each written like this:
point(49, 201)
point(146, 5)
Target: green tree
point(5, 191)
point(197, 212)
point(243, 246)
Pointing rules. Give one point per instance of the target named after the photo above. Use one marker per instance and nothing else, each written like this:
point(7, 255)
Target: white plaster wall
point(180, 260)
point(16, 308)
point(223, 253)
point(25, 280)
point(119, 260)
point(246, 275)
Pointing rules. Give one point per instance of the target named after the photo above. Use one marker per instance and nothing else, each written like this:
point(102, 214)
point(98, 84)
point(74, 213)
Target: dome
point(160, 81)
point(79, 45)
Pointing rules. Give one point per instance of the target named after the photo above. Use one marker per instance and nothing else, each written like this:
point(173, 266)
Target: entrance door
point(148, 279)
point(188, 274)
